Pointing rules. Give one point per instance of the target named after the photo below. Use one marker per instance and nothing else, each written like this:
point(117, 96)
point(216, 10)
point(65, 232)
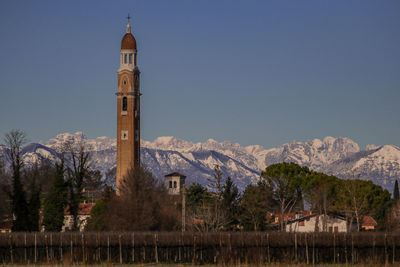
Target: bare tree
point(210, 215)
point(78, 170)
point(216, 183)
point(143, 204)
point(14, 140)
point(354, 202)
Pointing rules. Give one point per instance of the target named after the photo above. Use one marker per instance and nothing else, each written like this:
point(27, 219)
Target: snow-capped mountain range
point(338, 156)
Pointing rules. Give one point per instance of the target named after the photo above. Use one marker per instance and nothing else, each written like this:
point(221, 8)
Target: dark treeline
point(226, 248)
point(44, 185)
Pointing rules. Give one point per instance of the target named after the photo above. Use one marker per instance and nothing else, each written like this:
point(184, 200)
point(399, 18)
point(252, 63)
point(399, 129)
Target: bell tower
point(128, 108)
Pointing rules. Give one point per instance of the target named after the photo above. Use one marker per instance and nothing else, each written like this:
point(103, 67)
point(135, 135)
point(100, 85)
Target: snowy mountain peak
point(388, 152)
point(211, 141)
point(340, 144)
point(168, 143)
point(371, 147)
point(337, 156)
point(65, 137)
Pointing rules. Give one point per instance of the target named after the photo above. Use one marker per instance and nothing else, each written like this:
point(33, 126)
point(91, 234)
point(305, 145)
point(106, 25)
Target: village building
point(368, 223)
point(306, 222)
point(83, 217)
point(6, 226)
point(315, 223)
point(175, 183)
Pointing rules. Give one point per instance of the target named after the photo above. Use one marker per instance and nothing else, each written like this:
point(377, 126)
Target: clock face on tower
point(124, 135)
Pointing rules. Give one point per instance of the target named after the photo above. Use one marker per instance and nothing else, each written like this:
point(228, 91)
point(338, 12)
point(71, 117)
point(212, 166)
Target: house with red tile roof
point(83, 217)
point(368, 223)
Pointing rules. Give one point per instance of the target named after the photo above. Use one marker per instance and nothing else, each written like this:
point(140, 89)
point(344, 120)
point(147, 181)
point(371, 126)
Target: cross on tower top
point(128, 18)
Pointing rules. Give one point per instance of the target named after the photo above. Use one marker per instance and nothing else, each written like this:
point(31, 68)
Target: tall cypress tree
point(34, 206)
point(53, 213)
point(396, 190)
point(230, 203)
point(19, 205)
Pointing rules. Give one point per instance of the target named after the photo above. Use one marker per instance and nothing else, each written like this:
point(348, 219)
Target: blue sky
point(252, 72)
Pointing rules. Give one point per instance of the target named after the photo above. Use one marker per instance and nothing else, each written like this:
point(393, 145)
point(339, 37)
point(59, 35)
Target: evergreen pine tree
point(230, 203)
point(34, 207)
point(19, 205)
point(396, 190)
point(53, 213)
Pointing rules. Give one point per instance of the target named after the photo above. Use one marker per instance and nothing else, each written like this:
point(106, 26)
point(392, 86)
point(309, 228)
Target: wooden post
point(307, 259)
point(35, 256)
point(108, 248)
point(11, 249)
point(259, 257)
point(61, 252)
point(242, 241)
point(352, 249)
point(51, 247)
point(100, 246)
point(47, 248)
point(133, 247)
point(120, 249)
point(345, 247)
point(229, 245)
point(97, 248)
point(220, 244)
point(83, 248)
point(295, 247)
point(393, 249)
point(313, 249)
point(25, 252)
point(201, 247)
point(386, 254)
point(72, 250)
point(373, 248)
point(268, 255)
point(334, 249)
point(155, 248)
point(180, 247)
point(144, 251)
point(194, 249)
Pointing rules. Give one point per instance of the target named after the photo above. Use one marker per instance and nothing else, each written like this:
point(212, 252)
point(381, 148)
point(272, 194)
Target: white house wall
point(309, 225)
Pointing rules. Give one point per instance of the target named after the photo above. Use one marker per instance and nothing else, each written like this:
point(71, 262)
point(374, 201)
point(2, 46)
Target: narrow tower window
point(125, 58)
point(124, 103)
point(130, 58)
point(135, 59)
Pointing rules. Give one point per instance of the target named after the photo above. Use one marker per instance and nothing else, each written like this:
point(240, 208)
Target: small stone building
point(175, 182)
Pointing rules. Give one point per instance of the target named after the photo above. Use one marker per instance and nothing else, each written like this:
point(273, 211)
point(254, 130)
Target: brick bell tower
point(128, 108)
